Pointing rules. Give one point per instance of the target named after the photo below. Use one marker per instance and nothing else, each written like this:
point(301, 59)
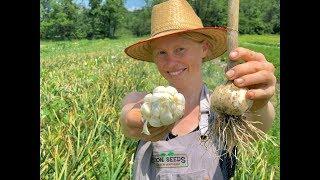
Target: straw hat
point(174, 17)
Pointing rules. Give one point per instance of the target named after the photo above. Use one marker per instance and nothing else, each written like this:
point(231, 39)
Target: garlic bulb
point(162, 107)
point(230, 99)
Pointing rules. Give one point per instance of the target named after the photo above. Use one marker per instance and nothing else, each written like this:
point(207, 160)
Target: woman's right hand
point(131, 123)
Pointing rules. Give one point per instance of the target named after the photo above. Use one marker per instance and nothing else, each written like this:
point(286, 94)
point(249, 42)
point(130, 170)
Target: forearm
point(263, 113)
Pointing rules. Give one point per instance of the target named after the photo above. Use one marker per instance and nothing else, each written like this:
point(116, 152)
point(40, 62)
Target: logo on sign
point(170, 159)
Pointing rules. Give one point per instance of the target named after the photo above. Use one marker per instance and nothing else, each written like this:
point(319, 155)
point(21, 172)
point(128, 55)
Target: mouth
point(176, 73)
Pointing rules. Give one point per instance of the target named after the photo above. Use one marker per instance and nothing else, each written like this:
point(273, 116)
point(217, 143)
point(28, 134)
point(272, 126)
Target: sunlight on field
point(82, 85)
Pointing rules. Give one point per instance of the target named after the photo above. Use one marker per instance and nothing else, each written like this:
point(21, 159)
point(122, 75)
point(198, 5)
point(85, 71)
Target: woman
point(178, 45)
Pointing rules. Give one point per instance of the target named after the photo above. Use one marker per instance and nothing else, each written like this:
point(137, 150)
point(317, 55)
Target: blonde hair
point(199, 38)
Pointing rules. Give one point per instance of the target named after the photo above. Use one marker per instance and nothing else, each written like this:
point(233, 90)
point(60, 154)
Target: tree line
point(67, 19)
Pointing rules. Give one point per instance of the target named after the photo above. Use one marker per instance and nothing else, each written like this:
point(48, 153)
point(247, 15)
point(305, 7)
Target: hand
point(130, 120)
point(156, 133)
point(256, 73)
point(132, 127)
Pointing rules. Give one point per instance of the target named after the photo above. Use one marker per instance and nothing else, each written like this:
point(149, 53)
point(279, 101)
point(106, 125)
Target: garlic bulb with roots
point(164, 106)
point(231, 127)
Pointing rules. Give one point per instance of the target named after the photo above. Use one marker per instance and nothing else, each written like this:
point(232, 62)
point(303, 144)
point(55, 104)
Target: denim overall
point(183, 157)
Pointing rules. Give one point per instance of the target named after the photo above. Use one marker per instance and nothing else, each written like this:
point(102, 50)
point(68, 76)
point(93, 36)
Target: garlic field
point(82, 85)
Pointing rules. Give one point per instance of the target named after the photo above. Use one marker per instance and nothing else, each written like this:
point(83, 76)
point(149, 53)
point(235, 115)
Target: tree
point(272, 16)
point(58, 19)
point(82, 24)
point(94, 15)
point(64, 19)
point(139, 22)
point(250, 17)
point(113, 16)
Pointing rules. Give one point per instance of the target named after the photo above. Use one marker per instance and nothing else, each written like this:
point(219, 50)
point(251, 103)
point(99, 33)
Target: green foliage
point(212, 13)
point(64, 19)
point(104, 18)
point(259, 17)
point(95, 16)
point(60, 19)
point(114, 16)
point(135, 23)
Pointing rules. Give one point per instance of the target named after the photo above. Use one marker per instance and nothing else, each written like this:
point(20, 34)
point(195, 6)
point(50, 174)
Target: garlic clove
point(145, 110)
point(166, 96)
point(179, 111)
point(166, 118)
point(160, 89)
point(155, 109)
point(155, 97)
point(171, 90)
point(145, 128)
point(147, 98)
point(179, 99)
point(155, 122)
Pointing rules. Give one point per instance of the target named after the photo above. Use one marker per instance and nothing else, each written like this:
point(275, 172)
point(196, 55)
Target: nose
point(171, 58)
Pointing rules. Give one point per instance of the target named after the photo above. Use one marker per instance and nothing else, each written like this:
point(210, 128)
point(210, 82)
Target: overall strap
point(204, 110)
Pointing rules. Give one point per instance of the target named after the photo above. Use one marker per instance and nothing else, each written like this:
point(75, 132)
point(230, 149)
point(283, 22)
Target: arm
point(130, 119)
point(264, 114)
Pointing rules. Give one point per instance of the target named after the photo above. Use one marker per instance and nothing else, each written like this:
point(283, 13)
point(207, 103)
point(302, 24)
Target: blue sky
point(129, 4)
point(134, 4)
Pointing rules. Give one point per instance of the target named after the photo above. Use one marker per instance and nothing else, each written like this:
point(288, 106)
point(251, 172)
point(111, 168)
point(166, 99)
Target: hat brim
point(218, 37)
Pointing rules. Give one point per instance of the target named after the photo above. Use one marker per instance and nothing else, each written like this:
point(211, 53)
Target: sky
point(129, 4)
point(134, 4)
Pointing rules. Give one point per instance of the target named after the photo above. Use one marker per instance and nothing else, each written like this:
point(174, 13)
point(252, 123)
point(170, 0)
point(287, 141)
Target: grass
point(82, 85)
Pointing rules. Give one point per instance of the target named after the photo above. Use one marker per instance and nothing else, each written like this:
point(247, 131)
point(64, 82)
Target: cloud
point(133, 8)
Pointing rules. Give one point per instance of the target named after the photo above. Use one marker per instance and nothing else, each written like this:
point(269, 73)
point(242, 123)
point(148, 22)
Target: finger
point(157, 134)
point(261, 77)
point(156, 131)
point(249, 68)
point(161, 135)
point(241, 53)
point(137, 133)
point(262, 93)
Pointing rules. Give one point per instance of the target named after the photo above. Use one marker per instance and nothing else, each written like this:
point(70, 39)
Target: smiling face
point(179, 59)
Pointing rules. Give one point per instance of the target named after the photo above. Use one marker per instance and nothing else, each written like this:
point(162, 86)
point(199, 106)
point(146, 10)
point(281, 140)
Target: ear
point(205, 48)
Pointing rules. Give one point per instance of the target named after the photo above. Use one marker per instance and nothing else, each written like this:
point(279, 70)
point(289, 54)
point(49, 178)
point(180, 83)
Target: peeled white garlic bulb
point(163, 107)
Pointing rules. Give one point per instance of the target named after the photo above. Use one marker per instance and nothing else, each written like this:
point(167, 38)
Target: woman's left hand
point(256, 73)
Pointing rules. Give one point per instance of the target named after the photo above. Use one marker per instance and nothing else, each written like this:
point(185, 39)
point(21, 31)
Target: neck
point(190, 120)
point(191, 92)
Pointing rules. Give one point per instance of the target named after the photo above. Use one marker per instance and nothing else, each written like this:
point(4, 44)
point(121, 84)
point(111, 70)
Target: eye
point(180, 51)
point(161, 52)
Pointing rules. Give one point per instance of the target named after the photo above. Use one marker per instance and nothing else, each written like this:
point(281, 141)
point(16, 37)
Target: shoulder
point(133, 97)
